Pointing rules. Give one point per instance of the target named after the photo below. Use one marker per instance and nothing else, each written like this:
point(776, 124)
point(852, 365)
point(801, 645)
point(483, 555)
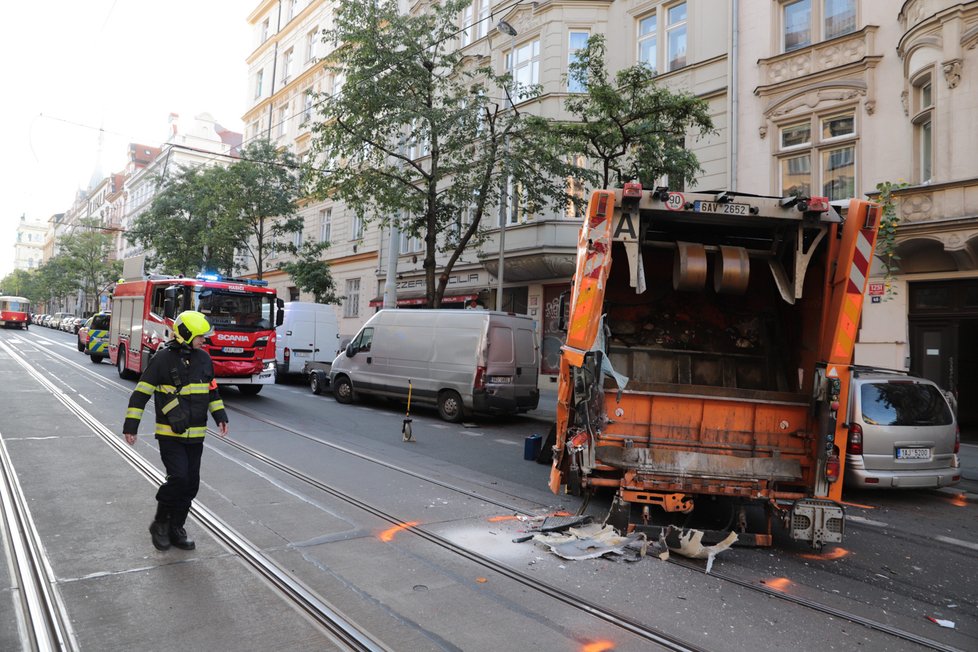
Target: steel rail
point(42, 616)
point(336, 626)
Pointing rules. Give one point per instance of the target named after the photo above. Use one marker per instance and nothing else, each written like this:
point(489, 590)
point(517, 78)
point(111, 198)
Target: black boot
point(178, 535)
point(160, 528)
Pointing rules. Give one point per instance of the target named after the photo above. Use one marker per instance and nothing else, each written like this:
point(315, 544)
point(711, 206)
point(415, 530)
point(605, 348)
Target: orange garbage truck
point(709, 347)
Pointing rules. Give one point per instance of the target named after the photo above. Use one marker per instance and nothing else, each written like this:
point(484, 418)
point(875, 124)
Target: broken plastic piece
point(689, 544)
point(940, 621)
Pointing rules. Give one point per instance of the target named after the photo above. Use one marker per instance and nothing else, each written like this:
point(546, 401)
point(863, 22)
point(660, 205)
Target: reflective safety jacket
point(181, 381)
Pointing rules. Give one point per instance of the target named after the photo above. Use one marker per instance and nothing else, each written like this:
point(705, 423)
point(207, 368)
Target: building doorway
point(944, 342)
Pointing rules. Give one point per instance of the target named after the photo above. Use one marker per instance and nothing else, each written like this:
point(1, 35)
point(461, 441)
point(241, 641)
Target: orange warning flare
point(388, 534)
point(848, 504)
point(960, 500)
point(837, 553)
point(598, 646)
point(778, 583)
point(499, 519)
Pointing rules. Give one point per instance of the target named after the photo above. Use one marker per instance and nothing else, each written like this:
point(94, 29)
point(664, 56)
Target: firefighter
point(180, 378)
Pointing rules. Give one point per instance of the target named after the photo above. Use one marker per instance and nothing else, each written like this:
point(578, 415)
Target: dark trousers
point(182, 462)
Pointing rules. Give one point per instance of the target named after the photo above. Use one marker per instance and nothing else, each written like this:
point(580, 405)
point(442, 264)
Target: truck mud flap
point(817, 521)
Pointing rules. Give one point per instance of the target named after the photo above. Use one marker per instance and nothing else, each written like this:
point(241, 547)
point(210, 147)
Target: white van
point(309, 334)
point(462, 361)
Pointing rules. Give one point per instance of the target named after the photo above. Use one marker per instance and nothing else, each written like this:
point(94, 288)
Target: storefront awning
point(417, 298)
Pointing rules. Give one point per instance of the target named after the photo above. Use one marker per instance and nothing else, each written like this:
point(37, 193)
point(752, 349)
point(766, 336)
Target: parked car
point(309, 335)
point(902, 433)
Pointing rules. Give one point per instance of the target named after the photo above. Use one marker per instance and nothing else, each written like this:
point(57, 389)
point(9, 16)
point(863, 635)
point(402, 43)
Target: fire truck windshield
point(241, 311)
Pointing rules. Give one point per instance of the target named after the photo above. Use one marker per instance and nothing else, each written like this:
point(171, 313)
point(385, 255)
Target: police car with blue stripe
point(93, 337)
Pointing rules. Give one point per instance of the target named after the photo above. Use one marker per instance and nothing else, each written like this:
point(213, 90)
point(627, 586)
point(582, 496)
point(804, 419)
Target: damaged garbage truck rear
point(707, 360)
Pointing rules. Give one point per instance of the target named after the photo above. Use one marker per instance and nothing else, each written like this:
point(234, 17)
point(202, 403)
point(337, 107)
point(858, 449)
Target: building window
point(674, 20)
point(351, 303)
point(283, 119)
point(311, 38)
point(297, 239)
point(526, 70)
point(575, 42)
point(259, 77)
point(356, 228)
point(264, 30)
point(575, 188)
point(483, 18)
point(292, 5)
point(676, 37)
point(307, 101)
point(465, 33)
point(410, 244)
point(647, 38)
point(325, 224)
point(831, 141)
point(287, 60)
point(804, 21)
point(923, 121)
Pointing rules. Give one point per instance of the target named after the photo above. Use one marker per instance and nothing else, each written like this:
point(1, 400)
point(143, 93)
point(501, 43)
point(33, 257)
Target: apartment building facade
point(685, 41)
point(838, 96)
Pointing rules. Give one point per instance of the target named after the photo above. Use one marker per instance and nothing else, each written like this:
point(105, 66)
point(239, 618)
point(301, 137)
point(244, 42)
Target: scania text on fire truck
point(708, 354)
point(242, 312)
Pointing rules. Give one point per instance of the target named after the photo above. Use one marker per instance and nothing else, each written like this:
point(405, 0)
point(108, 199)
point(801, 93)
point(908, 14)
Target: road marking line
point(957, 542)
point(867, 521)
point(471, 434)
point(82, 397)
point(507, 442)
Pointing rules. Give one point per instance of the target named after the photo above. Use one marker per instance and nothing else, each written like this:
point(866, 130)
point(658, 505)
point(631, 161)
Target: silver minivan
point(461, 361)
point(902, 434)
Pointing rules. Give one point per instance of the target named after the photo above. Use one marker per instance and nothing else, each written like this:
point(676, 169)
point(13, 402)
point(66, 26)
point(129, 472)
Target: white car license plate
point(233, 349)
point(913, 453)
point(301, 354)
point(722, 209)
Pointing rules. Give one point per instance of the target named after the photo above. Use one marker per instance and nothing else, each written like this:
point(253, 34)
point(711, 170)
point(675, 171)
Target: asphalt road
point(907, 555)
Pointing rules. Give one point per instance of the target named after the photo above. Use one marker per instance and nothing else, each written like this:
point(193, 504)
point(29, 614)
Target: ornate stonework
point(952, 72)
point(819, 57)
point(812, 99)
point(917, 207)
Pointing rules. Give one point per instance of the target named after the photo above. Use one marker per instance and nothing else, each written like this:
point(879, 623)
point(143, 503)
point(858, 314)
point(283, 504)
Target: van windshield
point(904, 404)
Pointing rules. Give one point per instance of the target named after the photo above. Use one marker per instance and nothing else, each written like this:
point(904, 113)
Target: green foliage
point(633, 128)
point(312, 274)
point(259, 198)
point(177, 227)
point(203, 216)
point(420, 136)
point(86, 251)
point(21, 283)
point(886, 237)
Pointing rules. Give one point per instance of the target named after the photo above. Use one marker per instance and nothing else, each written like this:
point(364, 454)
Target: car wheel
point(343, 390)
point(81, 347)
point(316, 383)
point(97, 359)
point(250, 390)
point(450, 406)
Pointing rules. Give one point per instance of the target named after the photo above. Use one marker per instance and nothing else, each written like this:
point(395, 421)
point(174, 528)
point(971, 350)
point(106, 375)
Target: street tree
point(630, 126)
point(57, 279)
point(21, 283)
point(260, 199)
point(311, 273)
point(181, 231)
point(86, 250)
point(420, 136)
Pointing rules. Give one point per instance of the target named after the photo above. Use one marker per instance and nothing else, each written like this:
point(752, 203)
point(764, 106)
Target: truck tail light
point(957, 439)
point(855, 446)
point(288, 355)
point(480, 378)
point(832, 467)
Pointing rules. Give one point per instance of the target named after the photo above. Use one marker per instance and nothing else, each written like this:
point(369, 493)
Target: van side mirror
point(280, 312)
point(562, 312)
point(350, 350)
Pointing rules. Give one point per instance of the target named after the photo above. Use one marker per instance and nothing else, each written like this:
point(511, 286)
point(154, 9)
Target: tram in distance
point(15, 311)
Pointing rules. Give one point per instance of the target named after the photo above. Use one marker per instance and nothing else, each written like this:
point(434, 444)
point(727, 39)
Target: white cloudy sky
point(74, 66)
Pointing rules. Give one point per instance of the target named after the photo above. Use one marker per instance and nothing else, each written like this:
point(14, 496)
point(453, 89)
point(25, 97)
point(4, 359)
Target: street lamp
point(510, 31)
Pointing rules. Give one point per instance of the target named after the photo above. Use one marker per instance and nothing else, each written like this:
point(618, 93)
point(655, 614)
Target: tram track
point(332, 623)
point(621, 621)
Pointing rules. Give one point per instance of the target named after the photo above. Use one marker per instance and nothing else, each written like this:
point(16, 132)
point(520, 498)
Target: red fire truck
point(242, 312)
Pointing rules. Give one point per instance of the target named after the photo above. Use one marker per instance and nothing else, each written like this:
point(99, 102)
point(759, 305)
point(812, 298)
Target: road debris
point(594, 540)
point(940, 621)
point(689, 544)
